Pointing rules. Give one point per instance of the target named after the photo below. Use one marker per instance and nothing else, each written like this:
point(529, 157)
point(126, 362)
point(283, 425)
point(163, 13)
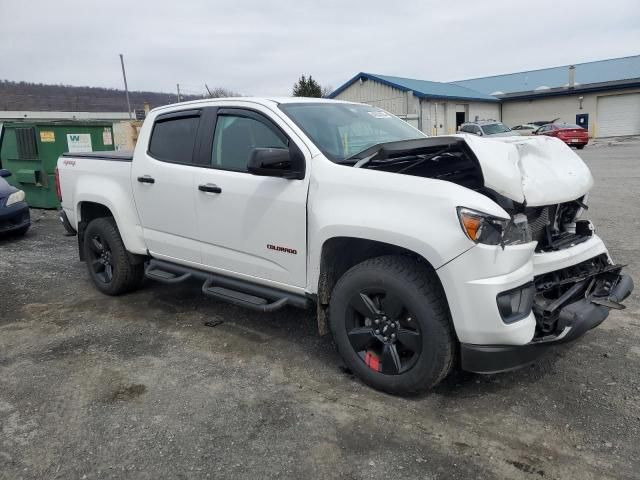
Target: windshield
point(341, 130)
point(494, 128)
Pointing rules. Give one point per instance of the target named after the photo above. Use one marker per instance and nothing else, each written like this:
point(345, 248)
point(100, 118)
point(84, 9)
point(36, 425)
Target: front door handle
point(210, 188)
point(146, 179)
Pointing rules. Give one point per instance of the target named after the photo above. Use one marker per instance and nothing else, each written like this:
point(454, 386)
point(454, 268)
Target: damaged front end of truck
point(543, 187)
point(573, 300)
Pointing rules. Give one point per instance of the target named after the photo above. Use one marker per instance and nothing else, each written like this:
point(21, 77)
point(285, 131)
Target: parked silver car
point(487, 128)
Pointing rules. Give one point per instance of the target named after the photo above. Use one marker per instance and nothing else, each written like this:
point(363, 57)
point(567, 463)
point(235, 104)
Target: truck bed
point(103, 178)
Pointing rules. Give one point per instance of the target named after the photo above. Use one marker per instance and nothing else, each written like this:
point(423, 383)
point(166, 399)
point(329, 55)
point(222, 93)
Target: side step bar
point(238, 292)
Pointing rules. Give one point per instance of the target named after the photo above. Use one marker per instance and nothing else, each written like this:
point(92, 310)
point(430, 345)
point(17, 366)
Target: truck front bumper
point(492, 340)
point(578, 318)
point(14, 217)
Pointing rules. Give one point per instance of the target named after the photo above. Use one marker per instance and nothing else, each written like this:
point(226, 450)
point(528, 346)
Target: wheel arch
point(88, 210)
point(339, 254)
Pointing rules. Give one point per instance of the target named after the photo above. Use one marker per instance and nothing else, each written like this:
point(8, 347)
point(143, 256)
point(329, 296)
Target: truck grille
point(538, 219)
point(553, 226)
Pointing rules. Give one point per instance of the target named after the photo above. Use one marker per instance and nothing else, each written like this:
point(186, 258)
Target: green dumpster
point(30, 151)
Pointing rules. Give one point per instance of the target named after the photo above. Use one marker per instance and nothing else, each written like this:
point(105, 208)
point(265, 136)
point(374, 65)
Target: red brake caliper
point(372, 361)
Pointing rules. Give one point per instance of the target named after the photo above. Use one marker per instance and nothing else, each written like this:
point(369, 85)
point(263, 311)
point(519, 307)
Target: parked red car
point(571, 134)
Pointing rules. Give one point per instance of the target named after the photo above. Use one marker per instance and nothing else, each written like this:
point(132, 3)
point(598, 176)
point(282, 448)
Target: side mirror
point(277, 162)
point(4, 173)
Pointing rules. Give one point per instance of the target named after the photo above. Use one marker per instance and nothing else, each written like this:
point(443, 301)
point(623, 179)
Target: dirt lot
point(140, 387)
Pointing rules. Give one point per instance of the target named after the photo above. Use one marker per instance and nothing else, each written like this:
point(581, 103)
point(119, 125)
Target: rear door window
point(174, 137)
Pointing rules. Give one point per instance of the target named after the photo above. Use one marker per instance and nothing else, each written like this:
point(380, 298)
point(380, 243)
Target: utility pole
point(126, 89)
point(208, 91)
point(178, 87)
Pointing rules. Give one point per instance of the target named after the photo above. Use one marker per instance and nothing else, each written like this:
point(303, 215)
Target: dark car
point(14, 211)
point(570, 133)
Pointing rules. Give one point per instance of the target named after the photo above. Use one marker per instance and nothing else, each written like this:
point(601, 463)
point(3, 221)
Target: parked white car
point(525, 128)
point(415, 251)
point(487, 128)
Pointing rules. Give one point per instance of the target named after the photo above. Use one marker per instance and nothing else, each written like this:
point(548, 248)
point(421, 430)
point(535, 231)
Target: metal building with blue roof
point(603, 96)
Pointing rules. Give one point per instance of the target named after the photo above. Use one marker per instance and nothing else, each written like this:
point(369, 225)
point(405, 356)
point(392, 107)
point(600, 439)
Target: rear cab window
point(174, 135)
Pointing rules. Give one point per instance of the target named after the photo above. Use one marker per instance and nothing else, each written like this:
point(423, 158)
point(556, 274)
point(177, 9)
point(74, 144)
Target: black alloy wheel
point(101, 258)
point(382, 331)
point(390, 321)
point(112, 269)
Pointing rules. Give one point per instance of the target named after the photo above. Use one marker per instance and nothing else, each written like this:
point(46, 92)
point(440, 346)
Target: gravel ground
point(139, 387)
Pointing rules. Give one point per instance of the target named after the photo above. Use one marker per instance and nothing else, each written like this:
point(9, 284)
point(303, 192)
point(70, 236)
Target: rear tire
point(108, 262)
point(416, 349)
point(579, 147)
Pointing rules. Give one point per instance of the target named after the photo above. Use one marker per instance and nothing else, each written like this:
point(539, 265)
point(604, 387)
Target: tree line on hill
point(25, 96)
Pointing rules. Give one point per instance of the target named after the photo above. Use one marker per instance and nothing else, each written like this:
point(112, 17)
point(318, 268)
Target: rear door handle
point(146, 179)
point(210, 188)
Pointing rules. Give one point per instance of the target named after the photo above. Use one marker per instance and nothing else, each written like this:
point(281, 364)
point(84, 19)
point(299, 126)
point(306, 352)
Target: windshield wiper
point(355, 158)
point(402, 151)
point(426, 158)
point(392, 161)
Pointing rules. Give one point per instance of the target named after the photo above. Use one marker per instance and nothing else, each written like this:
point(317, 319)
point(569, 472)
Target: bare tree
point(326, 91)
point(220, 92)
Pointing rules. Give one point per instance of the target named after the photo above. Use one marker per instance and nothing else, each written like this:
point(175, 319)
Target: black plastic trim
point(62, 215)
point(194, 112)
point(523, 313)
point(489, 359)
point(119, 156)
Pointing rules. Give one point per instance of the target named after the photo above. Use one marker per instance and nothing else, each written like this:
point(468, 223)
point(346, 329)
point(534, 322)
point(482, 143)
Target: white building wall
point(563, 107)
point(439, 117)
point(434, 117)
point(393, 100)
point(484, 111)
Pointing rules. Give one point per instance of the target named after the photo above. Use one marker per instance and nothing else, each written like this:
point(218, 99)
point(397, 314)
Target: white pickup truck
point(416, 251)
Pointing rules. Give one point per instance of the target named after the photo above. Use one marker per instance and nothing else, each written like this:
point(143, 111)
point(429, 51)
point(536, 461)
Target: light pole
point(126, 89)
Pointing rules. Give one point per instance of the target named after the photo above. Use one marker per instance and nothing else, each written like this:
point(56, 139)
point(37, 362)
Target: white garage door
point(618, 115)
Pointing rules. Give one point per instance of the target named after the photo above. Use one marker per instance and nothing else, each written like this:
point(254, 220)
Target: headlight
point(490, 230)
point(15, 197)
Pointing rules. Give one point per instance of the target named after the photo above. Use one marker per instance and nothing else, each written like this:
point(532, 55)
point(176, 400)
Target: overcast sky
point(261, 47)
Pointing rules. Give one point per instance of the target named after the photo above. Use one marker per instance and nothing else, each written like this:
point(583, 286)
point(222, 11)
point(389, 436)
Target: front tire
point(390, 322)
point(107, 260)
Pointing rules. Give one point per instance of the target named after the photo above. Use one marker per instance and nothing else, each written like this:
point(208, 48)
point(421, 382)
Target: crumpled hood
point(536, 170)
point(501, 134)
